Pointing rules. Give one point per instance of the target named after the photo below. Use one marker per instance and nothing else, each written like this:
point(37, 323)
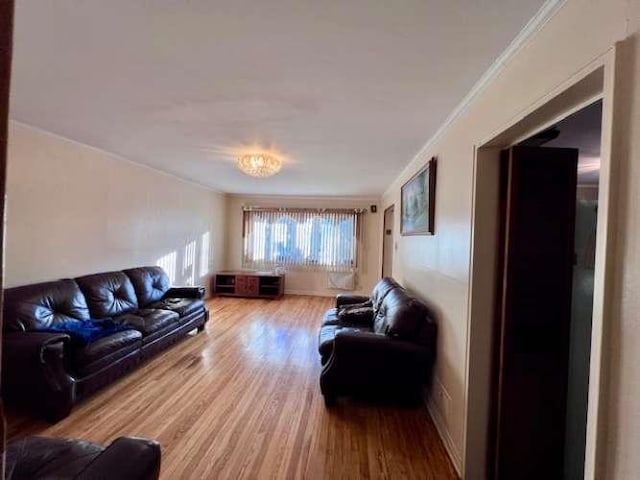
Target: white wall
point(74, 210)
point(437, 268)
point(308, 282)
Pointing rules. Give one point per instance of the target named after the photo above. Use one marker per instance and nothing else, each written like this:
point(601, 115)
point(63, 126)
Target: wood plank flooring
point(242, 400)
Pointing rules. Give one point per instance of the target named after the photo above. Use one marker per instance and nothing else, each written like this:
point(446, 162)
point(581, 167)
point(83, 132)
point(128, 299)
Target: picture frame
point(417, 202)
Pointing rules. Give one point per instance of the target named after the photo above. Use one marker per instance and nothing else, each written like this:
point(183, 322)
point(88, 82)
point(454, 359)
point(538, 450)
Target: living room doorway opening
point(582, 131)
point(588, 94)
point(542, 338)
point(388, 243)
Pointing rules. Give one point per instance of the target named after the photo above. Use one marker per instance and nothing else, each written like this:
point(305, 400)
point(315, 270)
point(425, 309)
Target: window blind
point(303, 238)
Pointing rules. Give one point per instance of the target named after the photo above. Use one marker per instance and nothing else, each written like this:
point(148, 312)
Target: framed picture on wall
point(418, 198)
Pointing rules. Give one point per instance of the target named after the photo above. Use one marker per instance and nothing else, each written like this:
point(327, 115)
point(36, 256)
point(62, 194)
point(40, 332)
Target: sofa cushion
point(148, 321)
point(381, 290)
point(107, 350)
point(38, 457)
point(355, 315)
point(331, 317)
point(86, 331)
point(42, 305)
point(348, 316)
point(182, 306)
point(401, 315)
point(325, 339)
point(327, 336)
point(150, 283)
point(108, 294)
point(356, 306)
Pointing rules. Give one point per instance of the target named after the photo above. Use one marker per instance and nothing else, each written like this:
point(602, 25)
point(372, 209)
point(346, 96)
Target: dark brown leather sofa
point(48, 372)
point(382, 344)
point(126, 458)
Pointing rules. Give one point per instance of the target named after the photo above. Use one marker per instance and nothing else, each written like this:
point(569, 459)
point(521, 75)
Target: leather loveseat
point(48, 371)
point(39, 458)
point(383, 344)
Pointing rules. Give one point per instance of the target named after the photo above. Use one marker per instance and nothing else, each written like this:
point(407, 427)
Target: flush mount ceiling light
point(259, 164)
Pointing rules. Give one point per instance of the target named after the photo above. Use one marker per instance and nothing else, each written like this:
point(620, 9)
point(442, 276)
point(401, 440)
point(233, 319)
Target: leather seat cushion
point(327, 336)
point(152, 337)
point(37, 457)
point(107, 350)
point(148, 321)
point(348, 316)
point(331, 317)
point(325, 339)
point(182, 306)
point(356, 315)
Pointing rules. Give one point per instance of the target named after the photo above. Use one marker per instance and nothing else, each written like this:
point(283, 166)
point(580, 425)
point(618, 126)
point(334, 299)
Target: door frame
point(6, 50)
point(384, 233)
point(594, 82)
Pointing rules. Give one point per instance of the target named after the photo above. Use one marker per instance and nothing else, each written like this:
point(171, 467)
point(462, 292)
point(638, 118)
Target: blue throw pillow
point(87, 331)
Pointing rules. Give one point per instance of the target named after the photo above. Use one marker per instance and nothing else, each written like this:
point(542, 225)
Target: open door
point(532, 343)
point(6, 37)
point(388, 243)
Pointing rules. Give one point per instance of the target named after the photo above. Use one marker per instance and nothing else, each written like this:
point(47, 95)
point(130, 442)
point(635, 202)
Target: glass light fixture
point(259, 164)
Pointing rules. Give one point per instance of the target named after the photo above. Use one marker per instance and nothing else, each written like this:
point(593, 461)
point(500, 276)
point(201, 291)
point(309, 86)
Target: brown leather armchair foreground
point(383, 344)
point(39, 458)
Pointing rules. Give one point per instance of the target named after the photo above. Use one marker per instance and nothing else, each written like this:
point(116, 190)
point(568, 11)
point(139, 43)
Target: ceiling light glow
point(259, 164)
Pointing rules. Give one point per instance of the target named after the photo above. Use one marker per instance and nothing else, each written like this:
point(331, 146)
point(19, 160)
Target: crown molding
point(330, 198)
point(533, 26)
point(113, 155)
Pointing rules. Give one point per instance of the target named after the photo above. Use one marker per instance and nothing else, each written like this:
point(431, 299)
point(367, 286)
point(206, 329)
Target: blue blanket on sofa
point(87, 331)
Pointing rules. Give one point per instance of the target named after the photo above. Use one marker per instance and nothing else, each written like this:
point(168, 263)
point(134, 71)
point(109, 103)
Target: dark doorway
point(543, 339)
point(388, 243)
point(6, 44)
point(583, 131)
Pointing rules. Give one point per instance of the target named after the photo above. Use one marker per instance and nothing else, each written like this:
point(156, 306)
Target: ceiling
point(346, 91)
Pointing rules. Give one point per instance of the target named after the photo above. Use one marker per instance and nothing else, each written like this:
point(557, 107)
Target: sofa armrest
point(32, 343)
point(346, 299)
point(185, 292)
point(366, 360)
point(34, 369)
point(355, 343)
point(127, 458)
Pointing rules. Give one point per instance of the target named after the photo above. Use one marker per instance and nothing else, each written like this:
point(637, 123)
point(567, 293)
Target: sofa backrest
point(42, 305)
point(150, 283)
point(380, 291)
point(108, 294)
point(403, 316)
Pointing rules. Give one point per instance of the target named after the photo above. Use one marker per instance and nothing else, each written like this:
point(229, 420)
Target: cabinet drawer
point(252, 285)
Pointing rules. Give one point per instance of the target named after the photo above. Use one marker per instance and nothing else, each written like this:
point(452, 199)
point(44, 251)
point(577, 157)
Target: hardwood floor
point(242, 400)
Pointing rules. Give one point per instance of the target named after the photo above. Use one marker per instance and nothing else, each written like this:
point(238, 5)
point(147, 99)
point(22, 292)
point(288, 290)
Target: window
point(205, 249)
point(188, 263)
point(325, 239)
point(168, 264)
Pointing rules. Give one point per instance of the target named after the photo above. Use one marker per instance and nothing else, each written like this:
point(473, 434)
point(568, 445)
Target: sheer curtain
point(321, 239)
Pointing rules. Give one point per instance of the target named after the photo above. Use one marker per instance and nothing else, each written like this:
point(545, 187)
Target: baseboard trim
point(438, 421)
point(313, 293)
point(321, 293)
